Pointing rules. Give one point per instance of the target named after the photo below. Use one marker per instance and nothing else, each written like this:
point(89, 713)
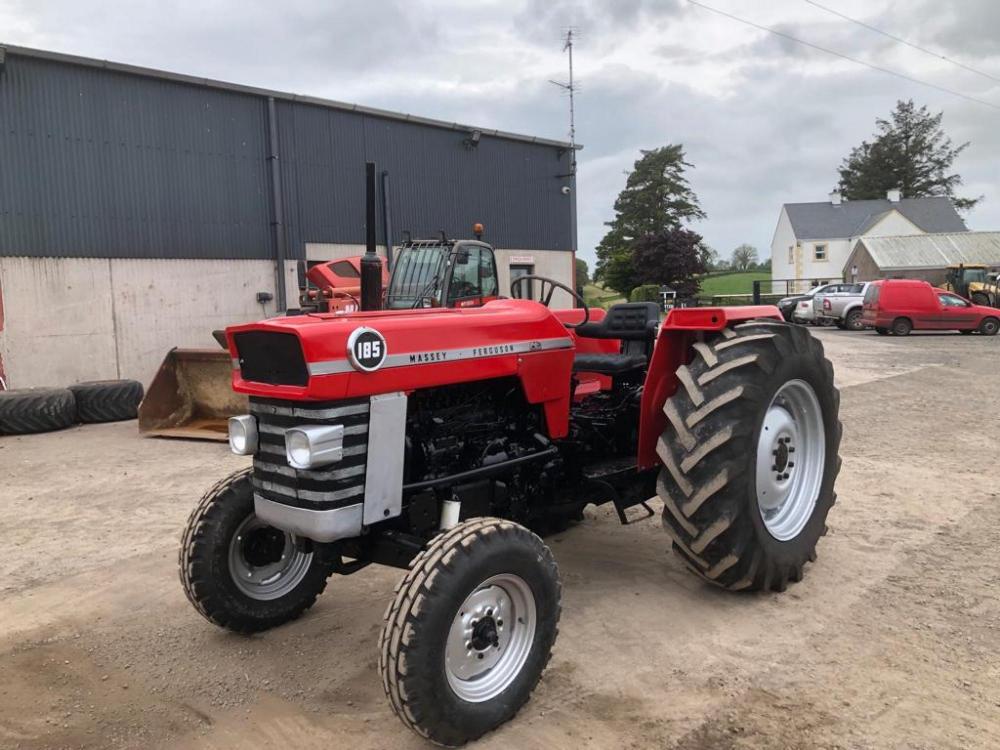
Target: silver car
point(799, 309)
point(841, 304)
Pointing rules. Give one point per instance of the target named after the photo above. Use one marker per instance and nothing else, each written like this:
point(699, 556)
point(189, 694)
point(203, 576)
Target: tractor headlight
point(308, 447)
point(243, 435)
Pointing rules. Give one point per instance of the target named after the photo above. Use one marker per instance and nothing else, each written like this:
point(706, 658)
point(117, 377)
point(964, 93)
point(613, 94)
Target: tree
point(672, 257)
point(743, 257)
point(656, 199)
point(910, 152)
point(709, 257)
point(582, 273)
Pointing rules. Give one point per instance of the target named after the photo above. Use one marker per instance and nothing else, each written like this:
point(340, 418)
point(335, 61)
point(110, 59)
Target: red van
point(902, 305)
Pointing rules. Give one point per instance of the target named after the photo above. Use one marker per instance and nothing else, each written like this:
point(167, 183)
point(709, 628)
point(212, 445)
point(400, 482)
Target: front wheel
point(470, 630)
point(989, 327)
point(853, 321)
point(750, 456)
point(240, 573)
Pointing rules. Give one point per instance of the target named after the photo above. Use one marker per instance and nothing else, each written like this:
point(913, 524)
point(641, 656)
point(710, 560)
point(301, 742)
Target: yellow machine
point(974, 282)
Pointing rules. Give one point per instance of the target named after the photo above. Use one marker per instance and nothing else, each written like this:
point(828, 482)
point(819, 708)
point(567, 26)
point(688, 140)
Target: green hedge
point(645, 293)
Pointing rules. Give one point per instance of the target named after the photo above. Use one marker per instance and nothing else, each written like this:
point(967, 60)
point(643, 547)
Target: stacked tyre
point(29, 410)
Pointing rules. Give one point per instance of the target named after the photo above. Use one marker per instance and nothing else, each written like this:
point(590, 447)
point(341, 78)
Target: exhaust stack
point(371, 266)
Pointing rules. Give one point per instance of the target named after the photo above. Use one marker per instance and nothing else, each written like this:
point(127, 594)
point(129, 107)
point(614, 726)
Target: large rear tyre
point(28, 410)
point(750, 456)
point(470, 630)
point(240, 573)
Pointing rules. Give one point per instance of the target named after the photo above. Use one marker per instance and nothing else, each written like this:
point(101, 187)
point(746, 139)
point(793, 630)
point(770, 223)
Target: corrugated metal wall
point(103, 163)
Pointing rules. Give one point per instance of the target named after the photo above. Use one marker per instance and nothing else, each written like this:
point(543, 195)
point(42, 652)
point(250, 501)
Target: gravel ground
point(890, 641)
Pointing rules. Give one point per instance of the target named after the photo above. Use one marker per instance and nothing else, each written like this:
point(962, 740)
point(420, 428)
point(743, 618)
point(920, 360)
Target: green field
point(597, 296)
point(732, 283)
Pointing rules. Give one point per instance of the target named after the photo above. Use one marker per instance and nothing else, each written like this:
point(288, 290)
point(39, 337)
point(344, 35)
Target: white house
point(813, 240)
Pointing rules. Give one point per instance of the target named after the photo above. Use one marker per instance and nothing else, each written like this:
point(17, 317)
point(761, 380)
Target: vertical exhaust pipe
point(371, 266)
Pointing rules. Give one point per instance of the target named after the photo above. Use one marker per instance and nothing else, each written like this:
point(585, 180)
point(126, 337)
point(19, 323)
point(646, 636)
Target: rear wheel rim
point(791, 458)
point(266, 563)
point(490, 638)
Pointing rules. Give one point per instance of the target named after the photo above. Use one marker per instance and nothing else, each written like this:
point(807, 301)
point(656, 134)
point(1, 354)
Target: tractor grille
point(333, 486)
point(271, 357)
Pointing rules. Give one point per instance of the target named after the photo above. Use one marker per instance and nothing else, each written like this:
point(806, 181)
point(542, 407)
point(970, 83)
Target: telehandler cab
point(439, 439)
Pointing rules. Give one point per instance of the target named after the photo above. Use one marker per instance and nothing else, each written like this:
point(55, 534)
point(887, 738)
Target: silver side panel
point(318, 525)
point(386, 447)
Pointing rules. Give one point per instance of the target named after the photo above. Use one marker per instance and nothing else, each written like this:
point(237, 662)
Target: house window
point(791, 254)
point(819, 252)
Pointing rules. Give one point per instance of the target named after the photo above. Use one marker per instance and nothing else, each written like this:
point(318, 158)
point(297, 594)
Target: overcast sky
point(764, 121)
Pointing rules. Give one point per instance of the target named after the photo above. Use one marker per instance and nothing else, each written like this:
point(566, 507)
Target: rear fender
point(682, 328)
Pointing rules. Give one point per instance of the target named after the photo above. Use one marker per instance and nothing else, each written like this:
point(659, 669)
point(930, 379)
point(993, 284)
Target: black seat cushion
point(628, 321)
point(608, 364)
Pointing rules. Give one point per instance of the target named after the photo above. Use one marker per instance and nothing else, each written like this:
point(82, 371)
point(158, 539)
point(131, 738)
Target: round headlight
point(298, 449)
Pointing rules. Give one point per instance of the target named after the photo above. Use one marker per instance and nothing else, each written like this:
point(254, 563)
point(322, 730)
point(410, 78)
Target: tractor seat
point(633, 323)
point(608, 364)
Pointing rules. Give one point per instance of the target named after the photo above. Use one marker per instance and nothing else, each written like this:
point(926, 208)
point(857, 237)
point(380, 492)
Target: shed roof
point(224, 85)
point(922, 251)
point(823, 221)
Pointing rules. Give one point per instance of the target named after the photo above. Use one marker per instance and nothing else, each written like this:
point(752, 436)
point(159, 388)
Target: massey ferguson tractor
point(442, 439)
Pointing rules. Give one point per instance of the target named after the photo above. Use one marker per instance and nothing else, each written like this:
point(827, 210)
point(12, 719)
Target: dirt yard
point(891, 641)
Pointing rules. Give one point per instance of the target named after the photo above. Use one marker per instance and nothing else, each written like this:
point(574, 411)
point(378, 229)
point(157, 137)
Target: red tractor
point(441, 440)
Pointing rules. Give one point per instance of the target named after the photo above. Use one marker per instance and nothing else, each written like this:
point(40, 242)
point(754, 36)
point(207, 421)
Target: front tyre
point(750, 456)
point(240, 573)
point(470, 630)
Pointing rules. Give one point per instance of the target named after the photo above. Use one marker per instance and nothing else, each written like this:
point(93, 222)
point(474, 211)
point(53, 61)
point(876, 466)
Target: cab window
point(465, 274)
point(488, 273)
point(474, 274)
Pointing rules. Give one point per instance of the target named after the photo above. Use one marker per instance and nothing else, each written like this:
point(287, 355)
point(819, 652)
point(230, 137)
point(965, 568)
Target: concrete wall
point(68, 320)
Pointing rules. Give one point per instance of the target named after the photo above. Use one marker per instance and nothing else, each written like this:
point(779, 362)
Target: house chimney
point(894, 195)
point(835, 197)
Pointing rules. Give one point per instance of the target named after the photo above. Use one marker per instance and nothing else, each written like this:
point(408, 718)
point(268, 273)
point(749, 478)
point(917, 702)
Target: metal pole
point(756, 292)
point(371, 266)
point(276, 204)
point(386, 219)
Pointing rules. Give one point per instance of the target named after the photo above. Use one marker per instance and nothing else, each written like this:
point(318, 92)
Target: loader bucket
point(191, 396)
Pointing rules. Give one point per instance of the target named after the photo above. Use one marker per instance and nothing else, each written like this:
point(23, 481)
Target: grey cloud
point(777, 134)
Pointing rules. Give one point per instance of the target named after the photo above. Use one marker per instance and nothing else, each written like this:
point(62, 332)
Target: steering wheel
point(545, 298)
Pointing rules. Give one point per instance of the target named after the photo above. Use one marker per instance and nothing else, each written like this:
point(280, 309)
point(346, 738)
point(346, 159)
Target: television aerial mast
point(570, 87)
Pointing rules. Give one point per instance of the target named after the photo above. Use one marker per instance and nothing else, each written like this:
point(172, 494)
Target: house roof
point(921, 251)
point(823, 221)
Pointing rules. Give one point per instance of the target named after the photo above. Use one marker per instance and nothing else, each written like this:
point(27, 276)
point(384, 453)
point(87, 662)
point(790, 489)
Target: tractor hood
point(327, 357)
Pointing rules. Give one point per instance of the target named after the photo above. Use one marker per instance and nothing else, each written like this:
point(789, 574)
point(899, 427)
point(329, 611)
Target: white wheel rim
point(791, 458)
point(269, 574)
point(490, 638)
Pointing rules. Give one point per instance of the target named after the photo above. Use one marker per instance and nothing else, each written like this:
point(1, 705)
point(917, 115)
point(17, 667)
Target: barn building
point(140, 209)
point(921, 256)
